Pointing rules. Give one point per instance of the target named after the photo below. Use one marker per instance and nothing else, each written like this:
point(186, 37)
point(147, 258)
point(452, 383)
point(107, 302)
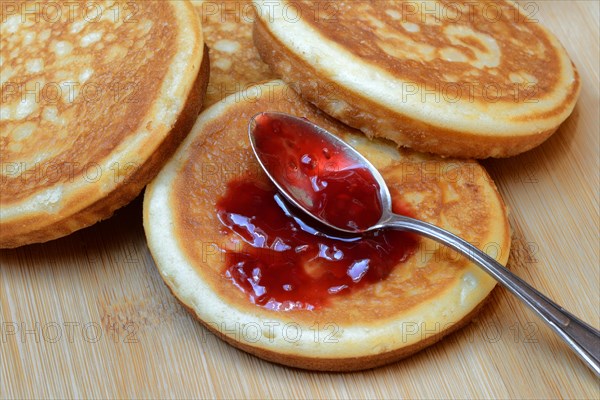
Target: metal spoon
point(581, 337)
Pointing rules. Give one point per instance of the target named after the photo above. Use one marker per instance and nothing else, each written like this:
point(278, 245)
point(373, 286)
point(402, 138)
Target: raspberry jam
point(285, 263)
point(322, 178)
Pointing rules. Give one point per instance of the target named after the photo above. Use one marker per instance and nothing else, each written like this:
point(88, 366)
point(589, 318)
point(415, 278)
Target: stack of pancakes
point(398, 82)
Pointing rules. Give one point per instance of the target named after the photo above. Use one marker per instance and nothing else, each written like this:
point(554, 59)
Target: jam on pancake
point(286, 264)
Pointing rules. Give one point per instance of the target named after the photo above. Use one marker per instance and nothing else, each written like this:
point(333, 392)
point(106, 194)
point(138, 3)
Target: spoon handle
point(581, 337)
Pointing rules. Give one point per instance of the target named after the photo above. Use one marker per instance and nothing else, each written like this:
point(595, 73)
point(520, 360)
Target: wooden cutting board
point(89, 316)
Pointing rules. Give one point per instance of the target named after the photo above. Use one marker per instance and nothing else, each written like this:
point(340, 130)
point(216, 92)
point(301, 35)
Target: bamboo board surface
point(89, 316)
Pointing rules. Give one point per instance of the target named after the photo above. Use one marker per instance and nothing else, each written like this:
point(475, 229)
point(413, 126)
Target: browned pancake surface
point(463, 79)
point(93, 104)
point(444, 43)
point(120, 74)
point(234, 61)
point(447, 192)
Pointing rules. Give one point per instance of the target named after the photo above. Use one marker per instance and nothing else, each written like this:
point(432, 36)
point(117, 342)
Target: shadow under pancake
point(520, 178)
point(103, 273)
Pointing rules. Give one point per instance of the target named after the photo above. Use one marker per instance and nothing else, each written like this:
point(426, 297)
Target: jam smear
point(322, 178)
point(286, 264)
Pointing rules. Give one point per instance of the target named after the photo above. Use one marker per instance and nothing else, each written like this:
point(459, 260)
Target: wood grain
point(89, 316)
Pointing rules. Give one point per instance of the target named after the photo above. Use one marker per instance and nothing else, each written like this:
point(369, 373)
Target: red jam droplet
point(320, 177)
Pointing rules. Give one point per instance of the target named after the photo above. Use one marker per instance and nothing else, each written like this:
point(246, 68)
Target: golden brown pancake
point(94, 100)
point(431, 293)
point(467, 79)
point(234, 61)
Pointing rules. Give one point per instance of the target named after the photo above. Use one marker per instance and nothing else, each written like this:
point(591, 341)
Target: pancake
point(92, 106)
point(381, 315)
point(235, 64)
point(465, 79)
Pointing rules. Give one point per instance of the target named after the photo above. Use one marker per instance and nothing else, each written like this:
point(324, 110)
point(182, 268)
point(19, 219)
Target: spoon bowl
point(332, 183)
point(327, 174)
